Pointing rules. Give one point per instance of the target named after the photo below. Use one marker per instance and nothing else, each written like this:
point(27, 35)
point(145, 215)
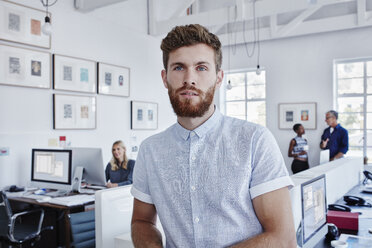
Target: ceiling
point(234, 19)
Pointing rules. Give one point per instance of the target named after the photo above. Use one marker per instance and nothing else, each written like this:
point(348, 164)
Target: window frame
point(363, 95)
point(223, 101)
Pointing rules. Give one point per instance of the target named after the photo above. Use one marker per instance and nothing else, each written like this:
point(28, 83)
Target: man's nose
point(189, 78)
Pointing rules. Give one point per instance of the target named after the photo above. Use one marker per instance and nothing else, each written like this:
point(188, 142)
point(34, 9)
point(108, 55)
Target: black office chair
point(19, 228)
point(83, 229)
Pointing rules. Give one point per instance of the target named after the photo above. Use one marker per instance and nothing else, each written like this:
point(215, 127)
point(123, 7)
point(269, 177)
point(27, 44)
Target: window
point(354, 104)
point(247, 98)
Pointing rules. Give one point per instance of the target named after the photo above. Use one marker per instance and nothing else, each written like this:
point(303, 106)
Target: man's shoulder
point(342, 128)
point(159, 137)
point(242, 126)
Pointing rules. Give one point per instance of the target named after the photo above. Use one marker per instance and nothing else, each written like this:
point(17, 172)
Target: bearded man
point(213, 180)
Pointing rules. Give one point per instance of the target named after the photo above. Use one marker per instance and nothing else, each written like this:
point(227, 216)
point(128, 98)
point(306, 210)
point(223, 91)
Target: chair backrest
point(4, 201)
point(83, 229)
point(5, 215)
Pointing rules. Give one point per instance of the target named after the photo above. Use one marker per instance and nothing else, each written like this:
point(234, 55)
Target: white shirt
point(202, 182)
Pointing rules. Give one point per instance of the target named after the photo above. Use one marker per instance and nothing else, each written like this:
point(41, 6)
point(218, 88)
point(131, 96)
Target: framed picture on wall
point(292, 113)
point(74, 74)
point(113, 80)
point(22, 24)
point(74, 112)
point(24, 67)
point(144, 115)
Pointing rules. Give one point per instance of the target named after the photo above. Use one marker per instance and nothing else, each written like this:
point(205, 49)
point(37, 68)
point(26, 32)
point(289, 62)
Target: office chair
point(83, 229)
point(14, 227)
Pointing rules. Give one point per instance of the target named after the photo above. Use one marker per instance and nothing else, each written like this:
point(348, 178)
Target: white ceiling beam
point(211, 18)
point(195, 7)
point(273, 25)
point(239, 10)
point(219, 16)
point(271, 7)
point(309, 27)
point(182, 8)
point(361, 11)
point(292, 25)
point(90, 5)
point(151, 17)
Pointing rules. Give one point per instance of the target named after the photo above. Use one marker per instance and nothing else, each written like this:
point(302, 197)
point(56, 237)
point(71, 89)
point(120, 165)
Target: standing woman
point(298, 150)
point(119, 171)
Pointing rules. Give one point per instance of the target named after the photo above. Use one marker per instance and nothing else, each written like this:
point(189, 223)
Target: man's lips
point(188, 93)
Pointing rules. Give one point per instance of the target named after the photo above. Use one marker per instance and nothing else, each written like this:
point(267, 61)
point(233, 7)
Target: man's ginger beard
point(185, 107)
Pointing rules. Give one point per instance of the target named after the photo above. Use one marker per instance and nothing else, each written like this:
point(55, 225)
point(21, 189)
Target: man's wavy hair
point(189, 35)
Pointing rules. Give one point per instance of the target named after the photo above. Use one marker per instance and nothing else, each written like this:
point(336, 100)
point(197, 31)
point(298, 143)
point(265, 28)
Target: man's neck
point(334, 125)
point(191, 123)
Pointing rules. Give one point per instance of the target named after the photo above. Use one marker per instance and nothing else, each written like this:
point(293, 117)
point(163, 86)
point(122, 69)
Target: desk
point(365, 219)
point(66, 211)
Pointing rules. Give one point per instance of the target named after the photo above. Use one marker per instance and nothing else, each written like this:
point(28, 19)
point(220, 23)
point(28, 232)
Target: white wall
point(27, 113)
point(300, 69)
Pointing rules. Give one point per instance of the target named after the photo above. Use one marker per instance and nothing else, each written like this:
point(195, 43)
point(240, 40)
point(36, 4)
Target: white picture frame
point(113, 80)
point(74, 112)
point(144, 115)
point(22, 24)
point(74, 74)
point(292, 113)
point(24, 67)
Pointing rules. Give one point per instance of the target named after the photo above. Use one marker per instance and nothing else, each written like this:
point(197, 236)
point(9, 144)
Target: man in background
point(335, 138)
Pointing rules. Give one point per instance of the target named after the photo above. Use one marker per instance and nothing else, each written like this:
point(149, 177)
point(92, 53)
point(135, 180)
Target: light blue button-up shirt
point(202, 182)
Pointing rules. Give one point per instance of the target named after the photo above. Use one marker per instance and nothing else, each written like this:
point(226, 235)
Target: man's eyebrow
point(182, 64)
point(176, 63)
point(203, 63)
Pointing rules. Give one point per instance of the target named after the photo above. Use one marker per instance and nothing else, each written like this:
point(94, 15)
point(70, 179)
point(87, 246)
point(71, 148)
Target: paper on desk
point(354, 241)
point(14, 194)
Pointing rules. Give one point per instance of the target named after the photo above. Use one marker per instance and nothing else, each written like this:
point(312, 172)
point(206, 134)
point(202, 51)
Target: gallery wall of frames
point(33, 67)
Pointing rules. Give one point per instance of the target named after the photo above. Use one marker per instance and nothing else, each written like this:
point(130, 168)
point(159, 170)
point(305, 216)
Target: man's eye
point(178, 68)
point(201, 68)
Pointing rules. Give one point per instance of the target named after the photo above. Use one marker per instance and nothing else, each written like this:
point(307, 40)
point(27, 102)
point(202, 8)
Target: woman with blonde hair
point(119, 171)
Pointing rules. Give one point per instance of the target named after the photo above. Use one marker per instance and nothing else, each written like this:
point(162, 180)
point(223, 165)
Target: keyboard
point(39, 198)
point(58, 193)
point(95, 187)
point(72, 200)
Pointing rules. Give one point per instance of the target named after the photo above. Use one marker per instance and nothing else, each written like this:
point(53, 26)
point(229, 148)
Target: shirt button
point(192, 134)
point(196, 220)
point(193, 188)
point(193, 158)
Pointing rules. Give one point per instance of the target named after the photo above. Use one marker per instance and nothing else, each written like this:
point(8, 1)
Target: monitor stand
point(76, 180)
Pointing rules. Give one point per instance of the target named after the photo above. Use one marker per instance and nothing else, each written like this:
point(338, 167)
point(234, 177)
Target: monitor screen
point(92, 162)
point(314, 210)
point(51, 166)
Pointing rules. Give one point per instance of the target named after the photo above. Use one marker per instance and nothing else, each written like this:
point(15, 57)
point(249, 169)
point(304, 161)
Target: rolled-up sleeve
point(268, 169)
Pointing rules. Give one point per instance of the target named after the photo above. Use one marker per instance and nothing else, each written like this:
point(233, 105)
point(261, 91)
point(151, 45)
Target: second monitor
point(92, 161)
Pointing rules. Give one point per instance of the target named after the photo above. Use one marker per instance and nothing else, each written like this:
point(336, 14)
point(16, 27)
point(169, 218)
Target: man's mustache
point(189, 87)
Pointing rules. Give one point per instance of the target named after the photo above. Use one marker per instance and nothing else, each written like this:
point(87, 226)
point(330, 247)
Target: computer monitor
point(324, 156)
point(92, 162)
point(112, 205)
point(314, 211)
point(51, 168)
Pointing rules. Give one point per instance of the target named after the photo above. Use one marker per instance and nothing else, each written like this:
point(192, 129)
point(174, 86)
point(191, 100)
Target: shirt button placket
point(193, 183)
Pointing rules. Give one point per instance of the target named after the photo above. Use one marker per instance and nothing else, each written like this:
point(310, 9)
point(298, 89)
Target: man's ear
point(164, 78)
point(219, 78)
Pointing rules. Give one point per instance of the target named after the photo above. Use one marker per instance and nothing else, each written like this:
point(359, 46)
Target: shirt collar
point(336, 127)
point(203, 128)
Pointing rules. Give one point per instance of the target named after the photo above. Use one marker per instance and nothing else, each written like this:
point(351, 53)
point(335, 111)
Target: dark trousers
point(299, 165)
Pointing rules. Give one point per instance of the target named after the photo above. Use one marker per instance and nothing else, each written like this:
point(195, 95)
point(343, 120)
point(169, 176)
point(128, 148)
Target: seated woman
point(119, 171)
